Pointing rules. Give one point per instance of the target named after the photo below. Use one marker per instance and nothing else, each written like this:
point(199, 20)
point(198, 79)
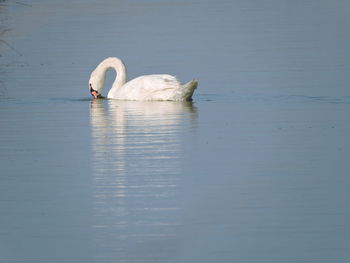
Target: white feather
point(148, 87)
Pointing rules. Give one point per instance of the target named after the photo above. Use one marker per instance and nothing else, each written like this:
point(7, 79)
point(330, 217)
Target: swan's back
point(154, 87)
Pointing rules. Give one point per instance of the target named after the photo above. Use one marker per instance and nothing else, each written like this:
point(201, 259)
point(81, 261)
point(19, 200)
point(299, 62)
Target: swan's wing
point(150, 87)
point(154, 83)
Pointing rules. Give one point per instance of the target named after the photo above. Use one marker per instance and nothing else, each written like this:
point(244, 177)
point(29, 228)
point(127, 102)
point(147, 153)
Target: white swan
point(148, 87)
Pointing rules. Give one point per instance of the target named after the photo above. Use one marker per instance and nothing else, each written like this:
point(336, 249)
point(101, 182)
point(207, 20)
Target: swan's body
point(148, 87)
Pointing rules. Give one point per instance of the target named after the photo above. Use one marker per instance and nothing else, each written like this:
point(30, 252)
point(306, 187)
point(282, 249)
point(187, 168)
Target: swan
point(143, 88)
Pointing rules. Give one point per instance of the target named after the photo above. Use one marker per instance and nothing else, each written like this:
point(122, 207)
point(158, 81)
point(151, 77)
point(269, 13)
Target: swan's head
point(96, 85)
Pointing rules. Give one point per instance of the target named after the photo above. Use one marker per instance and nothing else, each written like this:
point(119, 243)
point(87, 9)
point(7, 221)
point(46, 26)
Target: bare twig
point(20, 3)
point(2, 32)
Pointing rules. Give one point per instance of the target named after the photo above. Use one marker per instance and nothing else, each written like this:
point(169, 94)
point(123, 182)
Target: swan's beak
point(95, 94)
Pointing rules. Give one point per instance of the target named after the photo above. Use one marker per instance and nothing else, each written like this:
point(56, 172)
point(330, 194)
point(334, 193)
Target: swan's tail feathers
point(189, 88)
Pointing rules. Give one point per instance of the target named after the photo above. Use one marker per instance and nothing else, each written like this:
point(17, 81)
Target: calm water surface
point(255, 169)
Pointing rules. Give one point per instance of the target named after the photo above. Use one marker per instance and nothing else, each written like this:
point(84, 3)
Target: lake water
point(255, 169)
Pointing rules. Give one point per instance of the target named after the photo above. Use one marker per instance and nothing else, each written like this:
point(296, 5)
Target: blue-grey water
point(255, 169)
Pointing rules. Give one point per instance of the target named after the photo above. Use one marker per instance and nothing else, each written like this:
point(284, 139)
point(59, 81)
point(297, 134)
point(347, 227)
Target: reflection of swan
point(148, 87)
point(137, 153)
point(143, 125)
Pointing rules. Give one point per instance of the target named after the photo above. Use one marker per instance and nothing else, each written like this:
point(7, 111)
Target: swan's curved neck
point(118, 66)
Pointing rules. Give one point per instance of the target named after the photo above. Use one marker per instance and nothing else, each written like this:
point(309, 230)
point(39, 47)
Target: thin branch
point(11, 47)
point(2, 32)
point(20, 3)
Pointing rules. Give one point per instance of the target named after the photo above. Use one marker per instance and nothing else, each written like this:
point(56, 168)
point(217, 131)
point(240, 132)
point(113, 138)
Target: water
point(255, 169)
